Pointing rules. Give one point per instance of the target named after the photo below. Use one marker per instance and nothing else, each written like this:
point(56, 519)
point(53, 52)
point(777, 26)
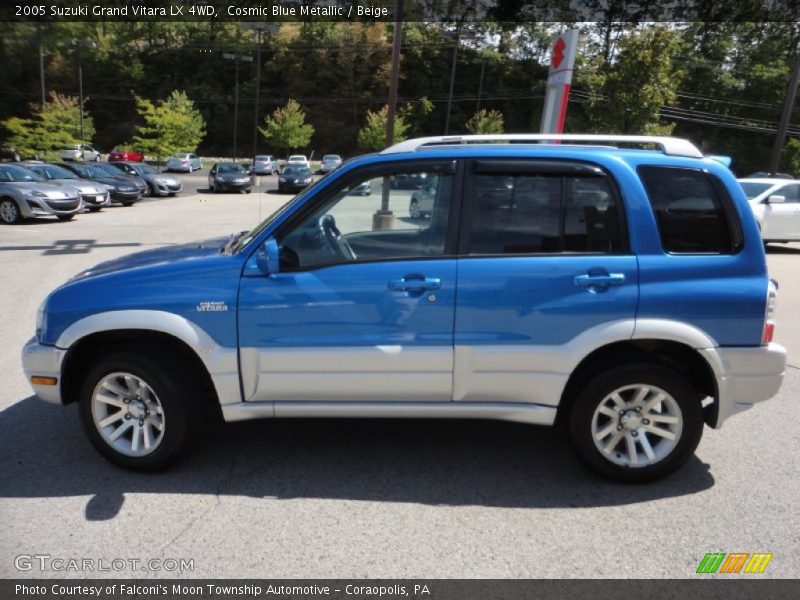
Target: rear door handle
point(408, 284)
point(600, 280)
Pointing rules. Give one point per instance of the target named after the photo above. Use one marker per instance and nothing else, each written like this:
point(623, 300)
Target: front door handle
point(600, 280)
point(415, 284)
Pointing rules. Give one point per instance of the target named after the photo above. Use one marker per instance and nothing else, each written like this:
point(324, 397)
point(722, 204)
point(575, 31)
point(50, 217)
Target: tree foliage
point(486, 121)
point(51, 127)
point(373, 135)
point(169, 126)
point(287, 129)
point(626, 95)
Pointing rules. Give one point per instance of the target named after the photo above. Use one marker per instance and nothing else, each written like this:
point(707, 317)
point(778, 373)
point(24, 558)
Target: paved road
point(367, 499)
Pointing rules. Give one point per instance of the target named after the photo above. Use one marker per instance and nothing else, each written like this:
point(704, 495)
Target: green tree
point(625, 95)
point(287, 128)
point(51, 127)
point(486, 121)
point(171, 126)
point(373, 135)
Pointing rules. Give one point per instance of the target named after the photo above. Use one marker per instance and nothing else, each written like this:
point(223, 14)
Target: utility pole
point(452, 79)
point(786, 115)
point(236, 58)
point(80, 44)
point(384, 218)
point(260, 27)
point(480, 84)
point(41, 62)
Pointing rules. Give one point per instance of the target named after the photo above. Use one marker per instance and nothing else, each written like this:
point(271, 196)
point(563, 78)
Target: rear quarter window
point(693, 211)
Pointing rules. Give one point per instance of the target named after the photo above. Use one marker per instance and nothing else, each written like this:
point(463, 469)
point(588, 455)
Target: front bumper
point(96, 199)
point(43, 361)
point(226, 185)
point(45, 207)
point(745, 376)
point(126, 196)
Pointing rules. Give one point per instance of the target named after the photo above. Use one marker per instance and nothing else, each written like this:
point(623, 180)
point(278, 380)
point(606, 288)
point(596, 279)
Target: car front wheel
point(137, 409)
point(636, 423)
point(9, 212)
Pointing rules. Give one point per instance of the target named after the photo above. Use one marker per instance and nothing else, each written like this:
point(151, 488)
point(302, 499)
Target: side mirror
point(268, 257)
point(776, 199)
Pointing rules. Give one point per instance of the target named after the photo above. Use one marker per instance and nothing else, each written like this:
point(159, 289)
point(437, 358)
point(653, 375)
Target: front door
point(782, 220)
point(363, 307)
point(545, 263)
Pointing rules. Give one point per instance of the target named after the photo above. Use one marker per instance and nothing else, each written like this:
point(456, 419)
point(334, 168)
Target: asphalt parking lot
point(366, 498)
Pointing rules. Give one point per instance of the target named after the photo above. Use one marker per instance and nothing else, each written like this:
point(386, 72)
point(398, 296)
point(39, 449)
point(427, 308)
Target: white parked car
point(81, 152)
point(299, 159)
point(776, 205)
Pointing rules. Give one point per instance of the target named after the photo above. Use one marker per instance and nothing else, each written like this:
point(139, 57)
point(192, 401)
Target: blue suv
point(616, 286)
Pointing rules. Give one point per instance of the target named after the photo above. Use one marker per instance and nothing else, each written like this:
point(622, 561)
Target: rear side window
point(529, 213)
point(693, 213)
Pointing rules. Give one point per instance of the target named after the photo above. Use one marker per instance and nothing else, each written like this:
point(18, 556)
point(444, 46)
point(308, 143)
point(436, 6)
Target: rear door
point(544, 259)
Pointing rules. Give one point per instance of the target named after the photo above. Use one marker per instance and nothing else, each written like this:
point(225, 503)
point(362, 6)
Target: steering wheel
point(333, 237)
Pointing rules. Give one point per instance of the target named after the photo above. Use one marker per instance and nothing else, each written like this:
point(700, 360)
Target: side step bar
point(535, 414)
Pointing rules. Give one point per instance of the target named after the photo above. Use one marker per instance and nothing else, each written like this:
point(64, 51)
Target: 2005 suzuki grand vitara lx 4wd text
point(614, 285)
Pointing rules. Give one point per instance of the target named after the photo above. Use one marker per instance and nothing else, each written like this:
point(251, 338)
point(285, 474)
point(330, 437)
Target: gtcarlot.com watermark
point(62, 564)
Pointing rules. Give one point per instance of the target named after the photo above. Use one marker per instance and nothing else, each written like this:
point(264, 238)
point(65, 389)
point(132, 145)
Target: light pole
point(260, 27)
point(236, 58)
point(457, 37)
point(80, 44)
point(482, 61)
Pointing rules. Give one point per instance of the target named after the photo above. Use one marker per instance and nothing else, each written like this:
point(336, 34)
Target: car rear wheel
point(636, 423)
point(140, 409)
point(9, 212)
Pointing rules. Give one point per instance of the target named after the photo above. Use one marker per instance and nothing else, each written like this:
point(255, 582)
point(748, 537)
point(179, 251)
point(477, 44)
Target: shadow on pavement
point(450, 463)
point(782, 249)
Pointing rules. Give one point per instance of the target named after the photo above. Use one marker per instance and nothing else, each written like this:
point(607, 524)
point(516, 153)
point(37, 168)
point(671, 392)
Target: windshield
point(16, 174)
point(297, 158)
point(229, 169)
point(53, 172)
point(753, 189)
point(144, 169)
point(331, 157)
point(296, 171)
point(108, 170)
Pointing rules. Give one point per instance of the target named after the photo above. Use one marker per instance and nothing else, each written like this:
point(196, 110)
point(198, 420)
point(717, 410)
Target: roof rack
point(667, 145)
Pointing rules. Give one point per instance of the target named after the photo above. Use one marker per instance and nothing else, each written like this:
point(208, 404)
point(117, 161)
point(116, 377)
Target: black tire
point(95, 208)
point(151, 192)
point(247, 191)
point(128, 203)
point(185, 413)
point(588, 399)
point(65, 217)
point(10, 213)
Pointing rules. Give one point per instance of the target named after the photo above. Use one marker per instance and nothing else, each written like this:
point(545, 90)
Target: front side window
point(529, 213)
point(791, 193)
point(692, 216)
point(371, 218)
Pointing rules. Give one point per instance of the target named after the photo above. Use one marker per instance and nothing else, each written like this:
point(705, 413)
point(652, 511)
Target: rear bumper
point(43, 361)
point(745, 376)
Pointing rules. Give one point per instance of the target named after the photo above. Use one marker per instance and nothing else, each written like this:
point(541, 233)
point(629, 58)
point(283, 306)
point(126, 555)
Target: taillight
point(769, 313)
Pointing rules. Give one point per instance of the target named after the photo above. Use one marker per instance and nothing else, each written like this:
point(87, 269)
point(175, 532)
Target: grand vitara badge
point(212, 307)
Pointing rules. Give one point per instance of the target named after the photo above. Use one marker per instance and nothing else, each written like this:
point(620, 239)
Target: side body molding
point(221, 362)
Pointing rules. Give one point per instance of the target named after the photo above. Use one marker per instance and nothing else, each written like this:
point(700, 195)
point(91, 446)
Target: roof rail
point(668, 145)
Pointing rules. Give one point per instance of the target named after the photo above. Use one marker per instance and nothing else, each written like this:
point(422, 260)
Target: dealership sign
point(559, 79)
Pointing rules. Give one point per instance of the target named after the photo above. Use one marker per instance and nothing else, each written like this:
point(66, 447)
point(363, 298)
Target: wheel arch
point(86, 350)
point(669, 353)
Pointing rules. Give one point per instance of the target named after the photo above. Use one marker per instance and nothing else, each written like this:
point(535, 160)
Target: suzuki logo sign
point(558, 53)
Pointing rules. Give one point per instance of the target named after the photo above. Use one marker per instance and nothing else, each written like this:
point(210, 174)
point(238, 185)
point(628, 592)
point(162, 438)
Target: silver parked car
point(81, 152)
point(184, 162)
point(158, 184)
point(330, 162)
point(94, 195)
point(264, 164)
point(24, 195)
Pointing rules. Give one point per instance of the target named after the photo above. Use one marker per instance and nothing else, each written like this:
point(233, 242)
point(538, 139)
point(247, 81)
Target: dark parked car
point(158, 184)
point(294, 178)
point(229, 177)
point(115, 172)
point(121, 188)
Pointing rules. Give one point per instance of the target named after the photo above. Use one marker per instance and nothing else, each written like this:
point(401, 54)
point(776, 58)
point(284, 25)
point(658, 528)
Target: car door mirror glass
point(774, 199)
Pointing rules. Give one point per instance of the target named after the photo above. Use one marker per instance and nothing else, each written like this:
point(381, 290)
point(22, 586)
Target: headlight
point(282, 179)
point(162, 182)
point(36, 193)
point(110, 188)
